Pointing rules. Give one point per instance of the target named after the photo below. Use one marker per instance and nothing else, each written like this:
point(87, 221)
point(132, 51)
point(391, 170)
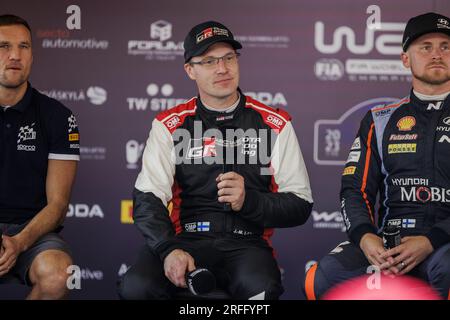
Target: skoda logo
point(446, 121)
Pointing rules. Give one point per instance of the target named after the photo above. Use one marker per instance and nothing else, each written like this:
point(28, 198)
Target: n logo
point(437, 106)
point(444, 138)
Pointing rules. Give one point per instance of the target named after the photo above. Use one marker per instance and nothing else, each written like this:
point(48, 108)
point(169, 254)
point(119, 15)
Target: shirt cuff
point(356, 235)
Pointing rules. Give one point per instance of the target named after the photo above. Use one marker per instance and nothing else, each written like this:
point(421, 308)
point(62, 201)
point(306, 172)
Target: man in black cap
point(218, 172)
point(402, 152)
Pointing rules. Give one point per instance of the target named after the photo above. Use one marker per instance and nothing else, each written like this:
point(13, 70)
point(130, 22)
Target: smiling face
point(16, 56)
point(428, 57)
point(218, 84)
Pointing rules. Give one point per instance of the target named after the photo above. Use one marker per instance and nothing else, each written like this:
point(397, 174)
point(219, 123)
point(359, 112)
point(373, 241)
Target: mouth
point(15, 66)
point(437, 66)
point(223, 81)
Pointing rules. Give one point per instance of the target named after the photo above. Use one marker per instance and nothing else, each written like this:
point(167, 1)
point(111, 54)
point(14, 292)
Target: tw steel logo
point(424, 194)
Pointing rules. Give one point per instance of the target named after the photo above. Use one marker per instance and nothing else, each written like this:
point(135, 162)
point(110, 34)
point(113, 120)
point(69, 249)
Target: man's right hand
point(176, 264)
point(9, 251)
point(372, 246)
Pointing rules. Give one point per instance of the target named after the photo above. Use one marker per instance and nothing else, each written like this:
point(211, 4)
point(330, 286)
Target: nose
point(437, 53)
point(221, 66)
point(14, 53)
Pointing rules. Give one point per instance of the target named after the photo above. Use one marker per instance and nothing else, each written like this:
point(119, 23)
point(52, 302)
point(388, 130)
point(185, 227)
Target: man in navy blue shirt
point(39, 150)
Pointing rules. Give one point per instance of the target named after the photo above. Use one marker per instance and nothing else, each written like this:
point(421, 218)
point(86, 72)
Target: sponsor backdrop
point(117, 64)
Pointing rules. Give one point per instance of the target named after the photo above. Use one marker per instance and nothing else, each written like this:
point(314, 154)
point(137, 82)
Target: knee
point(317, 280)
point(48, 273)
point(135, 286)
point(439, 271)
point(257, 288)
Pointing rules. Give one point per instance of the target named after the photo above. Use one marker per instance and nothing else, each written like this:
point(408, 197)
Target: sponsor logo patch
point(356, 144)
point(406, 123)
point(402, 148)
point(349, 170)
point(74, 137)
point(353, 156)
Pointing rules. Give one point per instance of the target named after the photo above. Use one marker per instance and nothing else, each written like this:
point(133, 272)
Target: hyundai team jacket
point(402, 151)
point(176, 191)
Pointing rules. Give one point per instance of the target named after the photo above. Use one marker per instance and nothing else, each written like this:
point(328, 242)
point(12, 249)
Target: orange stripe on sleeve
point(366, 170)
point(309, 283)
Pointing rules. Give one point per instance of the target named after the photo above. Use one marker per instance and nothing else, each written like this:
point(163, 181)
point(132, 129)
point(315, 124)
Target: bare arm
point(60, 179)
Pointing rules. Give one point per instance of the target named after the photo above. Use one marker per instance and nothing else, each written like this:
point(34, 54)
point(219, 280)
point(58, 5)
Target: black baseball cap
point(203, 35)
point(425, 23)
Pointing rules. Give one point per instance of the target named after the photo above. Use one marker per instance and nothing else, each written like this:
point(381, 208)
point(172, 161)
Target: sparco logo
point(424, 194)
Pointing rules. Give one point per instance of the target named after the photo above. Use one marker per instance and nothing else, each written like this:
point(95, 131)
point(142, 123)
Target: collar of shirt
point(25, 101)
point(424, 97)
point(228, 109)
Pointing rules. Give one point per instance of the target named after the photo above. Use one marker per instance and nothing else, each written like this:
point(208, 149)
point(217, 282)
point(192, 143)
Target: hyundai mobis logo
point(227, 146)
point(425, 194)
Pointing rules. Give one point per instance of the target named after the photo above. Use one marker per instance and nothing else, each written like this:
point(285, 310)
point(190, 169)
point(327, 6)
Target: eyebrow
point(9, 42)
point(220, 56)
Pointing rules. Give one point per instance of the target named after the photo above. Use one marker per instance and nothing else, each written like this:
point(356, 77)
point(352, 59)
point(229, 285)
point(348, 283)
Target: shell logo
point(406, 123)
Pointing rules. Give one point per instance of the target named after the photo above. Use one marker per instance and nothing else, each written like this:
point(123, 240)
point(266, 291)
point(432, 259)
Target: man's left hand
point(231, 189)
point(411, 252)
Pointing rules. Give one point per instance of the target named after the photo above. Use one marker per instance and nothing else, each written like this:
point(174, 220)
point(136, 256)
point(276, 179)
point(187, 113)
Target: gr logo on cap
point(426, 23)
point(205, 34)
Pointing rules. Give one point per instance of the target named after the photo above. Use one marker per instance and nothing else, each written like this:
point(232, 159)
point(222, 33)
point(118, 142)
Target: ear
point(404, 56)
point(190, 71)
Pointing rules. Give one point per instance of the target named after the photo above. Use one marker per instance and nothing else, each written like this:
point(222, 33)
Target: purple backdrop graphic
point(117, 64)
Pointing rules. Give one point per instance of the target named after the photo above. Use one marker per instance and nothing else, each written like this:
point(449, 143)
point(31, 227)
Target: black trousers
point(244, 267)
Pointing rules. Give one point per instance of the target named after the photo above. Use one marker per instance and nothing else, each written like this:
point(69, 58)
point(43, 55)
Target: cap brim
point(416, 36)
point(235, 44)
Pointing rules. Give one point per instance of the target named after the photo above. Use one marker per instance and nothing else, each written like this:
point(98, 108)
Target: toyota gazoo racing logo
point(425, 194)
point(200, 148)
point(210, 32)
